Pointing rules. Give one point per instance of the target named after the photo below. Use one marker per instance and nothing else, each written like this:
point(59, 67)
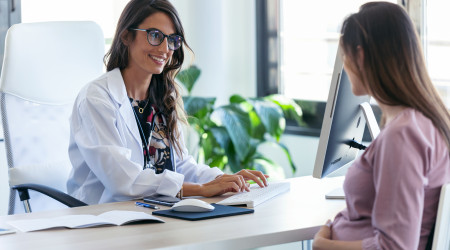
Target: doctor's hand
point(254, 175)
point(233, 182)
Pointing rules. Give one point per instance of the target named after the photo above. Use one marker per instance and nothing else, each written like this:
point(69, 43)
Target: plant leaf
point(271, 116)
point(214, 154)
point(233, 159)
point(198, 106)
point(188, 77)
point(219, 161)
point(221, 136)
point(258, 128)
point(237, 99)
point(252, 152)
point(290, 108)
point(237, 124)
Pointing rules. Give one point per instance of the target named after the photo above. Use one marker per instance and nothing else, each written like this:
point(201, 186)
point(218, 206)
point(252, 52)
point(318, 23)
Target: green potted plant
point(230, 135)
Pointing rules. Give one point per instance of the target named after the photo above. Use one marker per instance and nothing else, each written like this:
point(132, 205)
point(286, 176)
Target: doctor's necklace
point(136, 104)
point(141, 110)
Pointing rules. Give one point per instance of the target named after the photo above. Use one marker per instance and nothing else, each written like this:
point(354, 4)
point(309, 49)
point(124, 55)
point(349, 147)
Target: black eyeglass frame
point(164, 36)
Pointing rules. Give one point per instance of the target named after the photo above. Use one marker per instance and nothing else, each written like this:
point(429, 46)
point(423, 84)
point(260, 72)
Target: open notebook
point(115, 217)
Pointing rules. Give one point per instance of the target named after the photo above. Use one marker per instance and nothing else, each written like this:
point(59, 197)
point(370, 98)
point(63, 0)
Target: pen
point(146, 205)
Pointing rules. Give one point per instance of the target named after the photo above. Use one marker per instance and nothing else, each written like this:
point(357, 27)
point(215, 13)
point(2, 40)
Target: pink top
point(392, 190)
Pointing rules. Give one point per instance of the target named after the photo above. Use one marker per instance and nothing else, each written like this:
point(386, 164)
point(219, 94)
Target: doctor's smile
point(158, 60)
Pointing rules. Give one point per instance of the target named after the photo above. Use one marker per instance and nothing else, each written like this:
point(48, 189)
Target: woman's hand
point(322, 240)
point(254, 175)
point(321, 237)
point(233, 182)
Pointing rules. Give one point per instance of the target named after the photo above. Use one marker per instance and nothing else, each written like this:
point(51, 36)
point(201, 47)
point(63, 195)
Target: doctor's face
point(146, 57)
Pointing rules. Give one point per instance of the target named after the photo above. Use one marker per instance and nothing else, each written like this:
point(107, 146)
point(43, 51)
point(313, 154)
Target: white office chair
point(441, 239)
point(45, 65)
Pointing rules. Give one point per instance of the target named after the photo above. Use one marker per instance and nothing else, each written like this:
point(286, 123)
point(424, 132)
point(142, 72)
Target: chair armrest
point(51, 192)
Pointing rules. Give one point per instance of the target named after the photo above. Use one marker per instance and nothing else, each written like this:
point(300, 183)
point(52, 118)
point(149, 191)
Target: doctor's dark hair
point(393, 66)
point(163, 90)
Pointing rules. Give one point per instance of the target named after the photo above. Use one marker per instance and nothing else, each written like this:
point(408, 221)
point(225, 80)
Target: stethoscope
point(147, 163)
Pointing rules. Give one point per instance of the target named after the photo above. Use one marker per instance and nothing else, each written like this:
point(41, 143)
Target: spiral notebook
point(219, 211)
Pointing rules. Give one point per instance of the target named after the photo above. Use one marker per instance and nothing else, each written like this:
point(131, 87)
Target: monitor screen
point(343, 121)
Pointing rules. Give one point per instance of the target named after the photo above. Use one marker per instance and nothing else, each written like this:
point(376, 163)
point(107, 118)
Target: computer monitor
point(343, 124)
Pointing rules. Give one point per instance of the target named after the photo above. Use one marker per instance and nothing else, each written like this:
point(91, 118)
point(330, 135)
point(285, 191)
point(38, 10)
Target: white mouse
point(192, 205)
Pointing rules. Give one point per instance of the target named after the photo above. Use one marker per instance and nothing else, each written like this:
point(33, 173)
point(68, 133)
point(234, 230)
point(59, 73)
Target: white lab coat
point(106, 152)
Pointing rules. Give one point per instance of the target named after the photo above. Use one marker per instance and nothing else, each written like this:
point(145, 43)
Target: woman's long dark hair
point(394, 65)
point(163, 90)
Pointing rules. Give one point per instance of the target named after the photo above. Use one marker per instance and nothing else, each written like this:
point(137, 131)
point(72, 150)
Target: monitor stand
point(336, 194)
point(371, 122)
point(374, 130)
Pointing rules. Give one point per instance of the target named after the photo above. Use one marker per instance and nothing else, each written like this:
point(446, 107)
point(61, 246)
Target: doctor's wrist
point(192, 189)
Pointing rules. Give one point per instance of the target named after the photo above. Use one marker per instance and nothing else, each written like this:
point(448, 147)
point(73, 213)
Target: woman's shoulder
point(411, 127)
point(102, 86)
point(410, 120)
point(94, 86)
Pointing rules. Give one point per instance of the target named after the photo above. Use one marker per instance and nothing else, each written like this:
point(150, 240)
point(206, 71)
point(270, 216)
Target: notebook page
point(70, 221)
point(119, 217)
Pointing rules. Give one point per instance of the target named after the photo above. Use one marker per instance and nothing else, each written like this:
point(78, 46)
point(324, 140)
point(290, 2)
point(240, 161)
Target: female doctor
point(126, 140)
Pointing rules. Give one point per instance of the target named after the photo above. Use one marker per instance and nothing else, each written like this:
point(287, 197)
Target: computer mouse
point(192, 205)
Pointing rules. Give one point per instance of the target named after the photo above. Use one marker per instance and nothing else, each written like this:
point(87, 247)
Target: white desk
point(290, 217)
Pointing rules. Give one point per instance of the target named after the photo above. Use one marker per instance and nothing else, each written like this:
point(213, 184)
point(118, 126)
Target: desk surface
point(292, 216)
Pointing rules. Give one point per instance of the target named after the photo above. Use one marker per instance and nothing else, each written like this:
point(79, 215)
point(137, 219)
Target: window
point(437, 44)
point(301, 38)
point(309, 36)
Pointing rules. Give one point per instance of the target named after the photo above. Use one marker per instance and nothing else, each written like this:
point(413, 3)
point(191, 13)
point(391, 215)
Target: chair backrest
point(45, 65)
point(441, 239)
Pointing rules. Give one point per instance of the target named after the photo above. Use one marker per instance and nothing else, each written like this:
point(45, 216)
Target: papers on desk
point(115, 217)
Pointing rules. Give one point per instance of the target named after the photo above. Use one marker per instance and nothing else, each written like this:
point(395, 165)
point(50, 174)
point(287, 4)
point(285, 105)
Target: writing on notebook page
point(257, 195)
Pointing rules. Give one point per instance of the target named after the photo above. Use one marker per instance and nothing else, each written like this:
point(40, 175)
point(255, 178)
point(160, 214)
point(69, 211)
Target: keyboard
point(256, 195)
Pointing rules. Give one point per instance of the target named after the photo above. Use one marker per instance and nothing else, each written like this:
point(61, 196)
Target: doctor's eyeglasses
point(155, 37)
